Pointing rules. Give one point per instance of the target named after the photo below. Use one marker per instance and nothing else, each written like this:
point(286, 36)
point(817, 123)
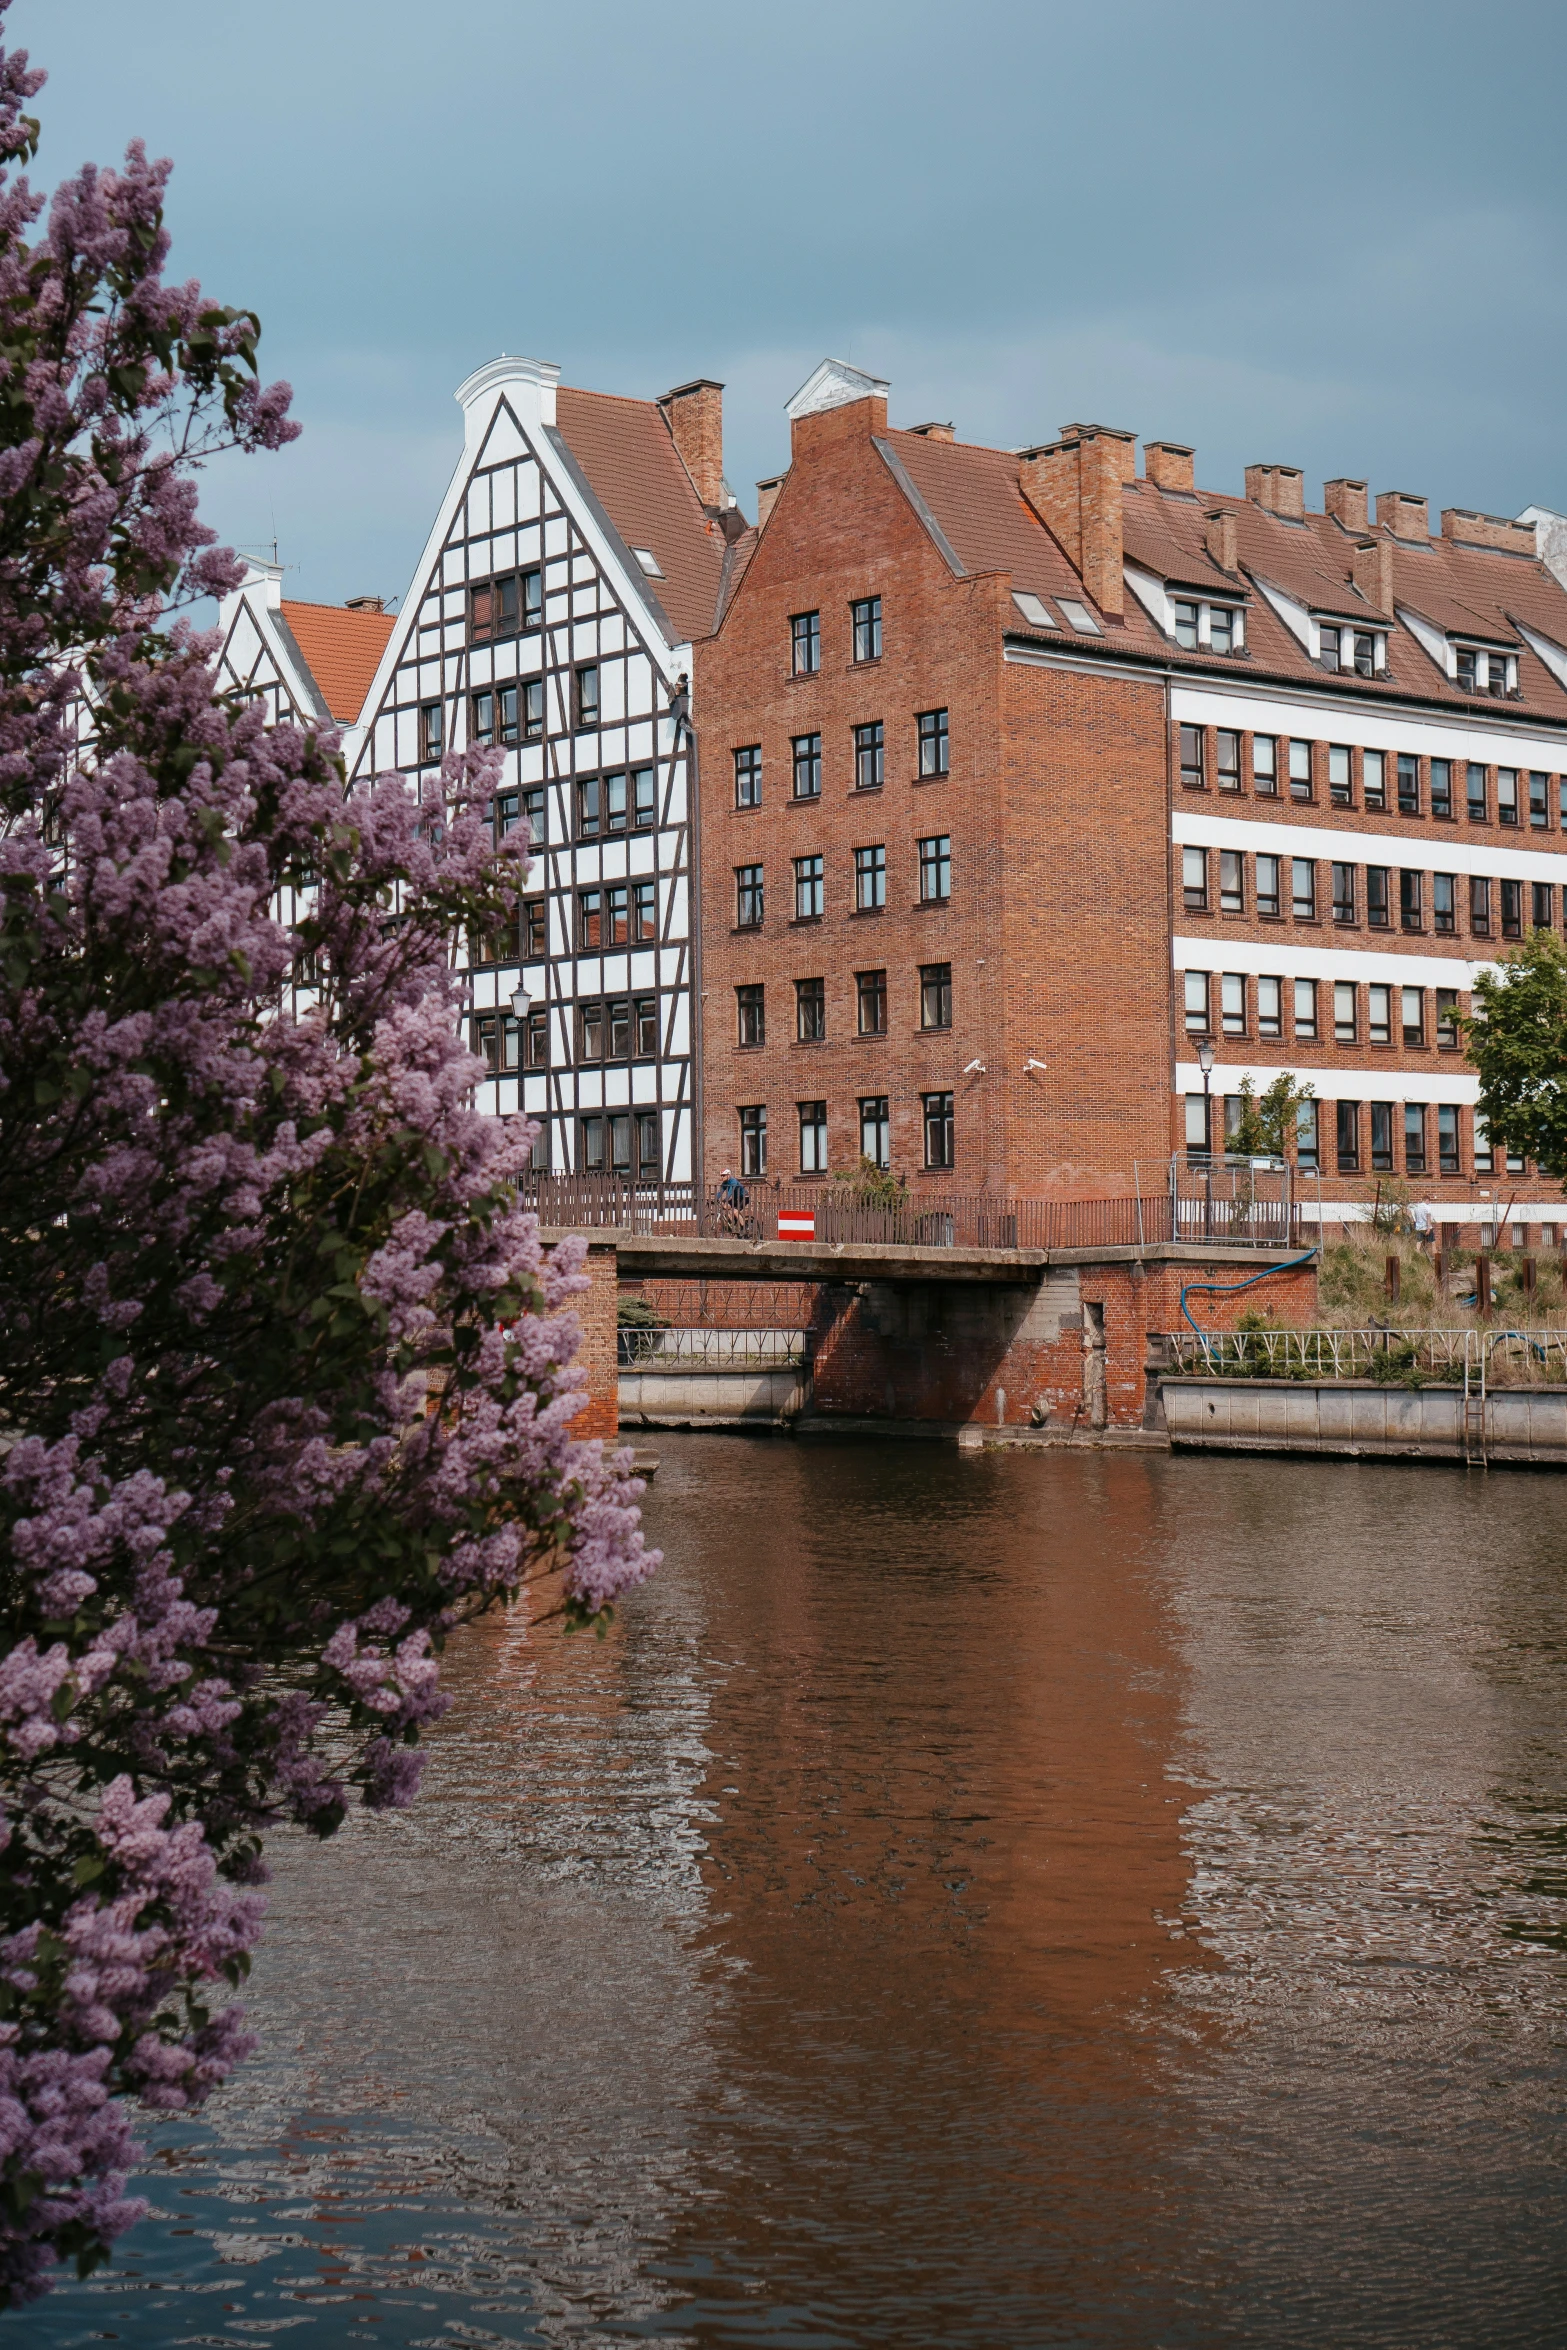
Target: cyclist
point(732, 1200)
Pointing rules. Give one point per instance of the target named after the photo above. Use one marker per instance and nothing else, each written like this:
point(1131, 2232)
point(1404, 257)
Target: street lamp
point(520, 1000)
point(1205, 1064)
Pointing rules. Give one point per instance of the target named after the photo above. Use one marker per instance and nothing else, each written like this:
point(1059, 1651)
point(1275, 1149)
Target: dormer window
point(1186, 622)
point(1365, 653)
point(1363, 650)
point(1079, 616)
point(1222, 627)
point(1218, 628)
point(1479, 672)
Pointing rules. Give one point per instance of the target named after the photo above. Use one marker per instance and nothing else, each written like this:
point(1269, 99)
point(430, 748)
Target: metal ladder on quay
point(1473, 1430)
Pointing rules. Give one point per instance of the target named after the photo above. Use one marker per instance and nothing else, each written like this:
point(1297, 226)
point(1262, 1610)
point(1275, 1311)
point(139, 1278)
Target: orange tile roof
point(629, 456)
point(341, 650)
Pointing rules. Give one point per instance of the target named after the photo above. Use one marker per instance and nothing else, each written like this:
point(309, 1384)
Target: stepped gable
point(341, 649)
point(628, 454)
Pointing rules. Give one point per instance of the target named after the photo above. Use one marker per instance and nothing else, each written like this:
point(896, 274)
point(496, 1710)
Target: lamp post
point(1205, 1064)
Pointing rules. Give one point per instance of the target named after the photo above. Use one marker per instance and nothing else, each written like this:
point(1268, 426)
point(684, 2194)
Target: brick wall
point(595, 1311)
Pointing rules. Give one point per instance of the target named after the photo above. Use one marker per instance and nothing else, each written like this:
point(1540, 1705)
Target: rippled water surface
point(1016, 1900)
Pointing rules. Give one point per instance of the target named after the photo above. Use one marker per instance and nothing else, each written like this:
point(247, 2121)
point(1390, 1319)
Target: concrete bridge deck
point(645, 1255)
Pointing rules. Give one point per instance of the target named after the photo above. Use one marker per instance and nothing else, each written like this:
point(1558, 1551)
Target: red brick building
point(1025, 777)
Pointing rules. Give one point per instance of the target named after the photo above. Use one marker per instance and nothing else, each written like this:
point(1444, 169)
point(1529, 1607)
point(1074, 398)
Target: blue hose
point(1227, 1288)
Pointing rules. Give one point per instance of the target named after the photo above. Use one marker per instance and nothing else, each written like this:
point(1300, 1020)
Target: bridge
point(950, 1312)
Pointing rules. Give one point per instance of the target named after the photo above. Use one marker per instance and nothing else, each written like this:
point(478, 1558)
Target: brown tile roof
point(629, 457)
point(341, 649)
point(974, 496)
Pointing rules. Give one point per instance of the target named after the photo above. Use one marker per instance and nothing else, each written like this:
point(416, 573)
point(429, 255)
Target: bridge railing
point(1469, 1357)
point(706, 1349)
point(915, 1219)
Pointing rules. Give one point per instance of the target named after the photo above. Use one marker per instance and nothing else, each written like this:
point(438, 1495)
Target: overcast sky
point(1328, 235)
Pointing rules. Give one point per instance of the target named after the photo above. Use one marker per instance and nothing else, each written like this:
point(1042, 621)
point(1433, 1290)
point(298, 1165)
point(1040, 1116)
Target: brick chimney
point(1405, 515)
point(1278, 489)
point(1487, 530)
point(934, 432)
point(378, 603)
point(1074, 486)
point(1219, 537)
point(694, 413)
point(1346, 501)
point(1169, 465)
point(1371, 569)
point(767, 497)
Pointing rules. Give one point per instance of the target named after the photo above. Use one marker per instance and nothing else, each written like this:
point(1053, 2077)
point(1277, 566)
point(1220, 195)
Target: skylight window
point(1034, 609)
point(1080, 617)
point(649, 562)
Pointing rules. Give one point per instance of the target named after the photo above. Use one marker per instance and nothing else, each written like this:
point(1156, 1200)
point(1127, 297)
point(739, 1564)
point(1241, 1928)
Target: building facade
point(1034, 782)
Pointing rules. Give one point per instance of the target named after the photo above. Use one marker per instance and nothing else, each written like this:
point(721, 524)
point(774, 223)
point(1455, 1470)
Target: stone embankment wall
point(1354, 1417)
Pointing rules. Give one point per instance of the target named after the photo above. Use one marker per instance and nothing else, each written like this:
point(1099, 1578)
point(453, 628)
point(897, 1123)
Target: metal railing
point(712, 1350)
point(1240, 1214)
point(1478, 1358)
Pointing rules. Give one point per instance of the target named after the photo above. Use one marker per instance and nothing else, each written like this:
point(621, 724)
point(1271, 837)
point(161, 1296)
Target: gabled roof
point(340, 649)
point(628, 456)
point(972, 493)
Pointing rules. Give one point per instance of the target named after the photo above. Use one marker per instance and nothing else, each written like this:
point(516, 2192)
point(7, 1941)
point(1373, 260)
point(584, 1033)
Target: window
point(935, 995)
point(753, 1139)
point(807, 750)
point(1475, 788)
point(1345, 1024)
point(938, 1129)
point(506, 1044)
point(871, 988)
point(1379, 882)
point(1507, 795)
point(1343, 893)
point(1447, 1138)
point(807, 889)
point(1465, 667)
point(1265, 764)
point(869, 756)
point(1328, 639)
point(867, 628)
point(748, 776)
point(432, 731)
point(1186, 618)
point(620, 1028)
point(495, 715)
point(586, 712)
point(607, 1141)
point(875, 1130)
point(644, 910)
point(1194, 880)
point(1512, 909)
point(535, 930)
point(1480, 905)
point(1303, 889)
point(1447, 1018)
point(1223, 628)
point(870, 879)
point(1268, 885)
point(1414, 1138)
point(751, 1012)
point(1444, 902)
point(810, 1010)
point(1414, 1016)
point(1542, 904)
point(1306, 1133)
point(1300, 771)
point(1365, 653)
point(1442, 787)
point(1379, 1014)
point(1382, 1138)
point(813, 1138)
point(805, 638)
point(1079, 616)
point(1306, 1009)
point(932, 726)
point(1270, 1007)
point(1411, 912)
point(1485, 1157)
point(1229, 760)
point(1373, 779)
point(532, 711)
point(615, 803)
point(513, 808)
point(605, 916)
point(1408, 785)
point(1232, 881)
point(497, 607)
point(1341, 786)
point(493, 946)
point(1515, 1166)
point(1194, 743)
point(748, 897)
point(1232, 999)
point(1197, 1003)
point(1196, 1125)
point(936, 869)
point(1346, 1120)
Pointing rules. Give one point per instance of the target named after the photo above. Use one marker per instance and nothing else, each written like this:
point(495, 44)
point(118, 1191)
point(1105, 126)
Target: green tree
point(1267, 1124)
point(1517, 1039)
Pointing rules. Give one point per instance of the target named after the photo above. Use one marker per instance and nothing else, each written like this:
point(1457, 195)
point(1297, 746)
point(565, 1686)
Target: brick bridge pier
point(989, 1337)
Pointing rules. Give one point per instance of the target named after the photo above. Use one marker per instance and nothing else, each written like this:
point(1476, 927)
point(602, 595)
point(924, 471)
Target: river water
point(1012, 1900)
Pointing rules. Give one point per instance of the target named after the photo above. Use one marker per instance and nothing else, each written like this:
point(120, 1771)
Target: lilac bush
point(286, 1383)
